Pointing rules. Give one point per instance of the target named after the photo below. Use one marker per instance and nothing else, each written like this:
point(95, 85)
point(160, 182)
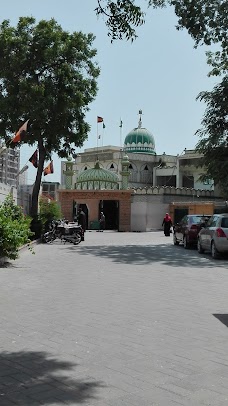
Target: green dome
point(97, 178)
point(140, 140)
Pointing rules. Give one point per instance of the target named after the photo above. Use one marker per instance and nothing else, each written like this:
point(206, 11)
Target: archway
point(110, 209)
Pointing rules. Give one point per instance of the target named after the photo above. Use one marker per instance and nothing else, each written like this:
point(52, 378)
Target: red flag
point(34, 159)
point(49, 169)
point(22, 130)
point(100, 119)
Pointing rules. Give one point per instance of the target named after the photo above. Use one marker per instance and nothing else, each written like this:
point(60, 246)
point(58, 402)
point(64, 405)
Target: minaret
point(69, 172)
point(125, 171)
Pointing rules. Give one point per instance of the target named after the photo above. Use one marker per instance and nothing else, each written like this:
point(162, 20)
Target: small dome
point(140, 140)
point(97, 178)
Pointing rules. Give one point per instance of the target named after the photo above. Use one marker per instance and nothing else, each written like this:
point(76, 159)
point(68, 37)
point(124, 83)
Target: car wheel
point(199, 247)
point(214, 251)
point(185, 242)
point(175, 242)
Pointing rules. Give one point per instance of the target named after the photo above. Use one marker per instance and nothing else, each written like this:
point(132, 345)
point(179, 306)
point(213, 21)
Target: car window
point(184, 220)
point(224, 222)
point(196, 219)
point(212, 222)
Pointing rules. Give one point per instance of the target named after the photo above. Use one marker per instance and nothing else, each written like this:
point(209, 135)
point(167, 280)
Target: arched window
point(133, 173)
point(112, 167)
point(146, 174)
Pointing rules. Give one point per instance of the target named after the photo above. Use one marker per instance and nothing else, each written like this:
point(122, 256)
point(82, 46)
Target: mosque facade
point(110, 173)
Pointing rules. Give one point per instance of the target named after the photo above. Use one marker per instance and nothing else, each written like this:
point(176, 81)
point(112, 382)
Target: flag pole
point(97, 135)
point(103, 136)
point(121, 125)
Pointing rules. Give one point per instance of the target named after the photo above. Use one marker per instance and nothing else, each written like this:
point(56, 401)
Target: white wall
point(5, 190)
point(138, 216)
point(155, 214)
point(147, 215)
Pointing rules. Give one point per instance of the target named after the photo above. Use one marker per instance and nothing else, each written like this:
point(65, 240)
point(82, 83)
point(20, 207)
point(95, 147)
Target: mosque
point(133, 185)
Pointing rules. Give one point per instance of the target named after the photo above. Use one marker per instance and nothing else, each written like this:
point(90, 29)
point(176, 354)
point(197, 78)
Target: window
point(184, 220)
point(213, 221)
point(196, 219)
point(224, 222)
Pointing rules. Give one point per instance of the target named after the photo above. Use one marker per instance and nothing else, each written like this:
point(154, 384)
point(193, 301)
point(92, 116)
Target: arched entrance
point(110, 209)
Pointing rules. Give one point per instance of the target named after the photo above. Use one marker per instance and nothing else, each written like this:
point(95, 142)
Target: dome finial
point(140, 119)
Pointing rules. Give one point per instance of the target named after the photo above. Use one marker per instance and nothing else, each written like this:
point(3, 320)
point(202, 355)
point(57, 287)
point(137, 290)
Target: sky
point(160, 73)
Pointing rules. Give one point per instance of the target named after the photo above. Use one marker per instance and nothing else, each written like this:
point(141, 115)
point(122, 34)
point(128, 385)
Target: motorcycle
point(70, 233)
point(50, 235)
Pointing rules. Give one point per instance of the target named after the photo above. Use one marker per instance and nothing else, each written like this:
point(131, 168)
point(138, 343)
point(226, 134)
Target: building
point(49, 189)
point(98, 190)
point(146, 167)
point(135, 184)
point(9, 165)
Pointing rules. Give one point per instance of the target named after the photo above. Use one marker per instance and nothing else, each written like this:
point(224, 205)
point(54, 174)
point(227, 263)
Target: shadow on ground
point(223, 318)
point(148, 254)
point(28, 378)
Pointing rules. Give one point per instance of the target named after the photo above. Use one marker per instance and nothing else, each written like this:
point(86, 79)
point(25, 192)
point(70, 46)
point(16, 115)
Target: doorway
point(110, 209)
point(85, 209)
point(179, 213)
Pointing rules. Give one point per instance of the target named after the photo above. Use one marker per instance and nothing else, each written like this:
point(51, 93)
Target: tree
point(205, 20)
point(214, 134)
point(47, 76)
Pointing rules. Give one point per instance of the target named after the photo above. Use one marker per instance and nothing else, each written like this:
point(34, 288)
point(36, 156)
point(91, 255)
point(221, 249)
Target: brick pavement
point(121, 319)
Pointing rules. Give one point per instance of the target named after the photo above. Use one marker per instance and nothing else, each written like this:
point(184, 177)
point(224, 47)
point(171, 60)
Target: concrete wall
point(5, 190)
point(147, 212)
point(149, 205)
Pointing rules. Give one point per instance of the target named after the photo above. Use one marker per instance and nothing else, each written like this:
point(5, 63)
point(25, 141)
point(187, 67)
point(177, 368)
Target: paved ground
point(122, 319)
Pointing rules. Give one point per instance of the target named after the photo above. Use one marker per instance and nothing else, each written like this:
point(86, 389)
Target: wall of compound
point(149, 205)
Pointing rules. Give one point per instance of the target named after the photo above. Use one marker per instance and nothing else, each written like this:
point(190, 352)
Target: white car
point(214, 236)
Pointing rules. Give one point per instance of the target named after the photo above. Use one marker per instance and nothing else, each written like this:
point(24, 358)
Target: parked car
point(214, 236)
point(186, 231)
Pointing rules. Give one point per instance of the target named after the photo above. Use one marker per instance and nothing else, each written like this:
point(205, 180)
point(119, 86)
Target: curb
point(30, 245)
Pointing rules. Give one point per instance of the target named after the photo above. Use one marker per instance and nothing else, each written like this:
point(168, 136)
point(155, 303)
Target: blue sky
point(160, 73)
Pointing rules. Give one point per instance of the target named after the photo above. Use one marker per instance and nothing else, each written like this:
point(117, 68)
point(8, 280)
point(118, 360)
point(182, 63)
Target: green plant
point(49, 210)
point(14, 229)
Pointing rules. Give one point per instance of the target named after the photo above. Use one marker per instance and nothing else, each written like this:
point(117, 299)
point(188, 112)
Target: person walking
point(102, 221)
point(167, 224)
point(82, 221)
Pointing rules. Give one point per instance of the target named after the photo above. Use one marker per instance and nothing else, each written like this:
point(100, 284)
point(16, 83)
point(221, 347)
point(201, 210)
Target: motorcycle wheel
point(77, 239)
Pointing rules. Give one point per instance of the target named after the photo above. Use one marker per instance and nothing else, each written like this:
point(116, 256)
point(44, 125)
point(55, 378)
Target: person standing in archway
point(102, 221)
point(82, 221)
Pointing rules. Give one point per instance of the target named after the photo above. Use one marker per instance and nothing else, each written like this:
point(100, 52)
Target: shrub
point(14, 229)
point(49, 210)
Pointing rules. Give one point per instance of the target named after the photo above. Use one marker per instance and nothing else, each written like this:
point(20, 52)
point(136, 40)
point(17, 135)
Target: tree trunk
point(36, 188)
